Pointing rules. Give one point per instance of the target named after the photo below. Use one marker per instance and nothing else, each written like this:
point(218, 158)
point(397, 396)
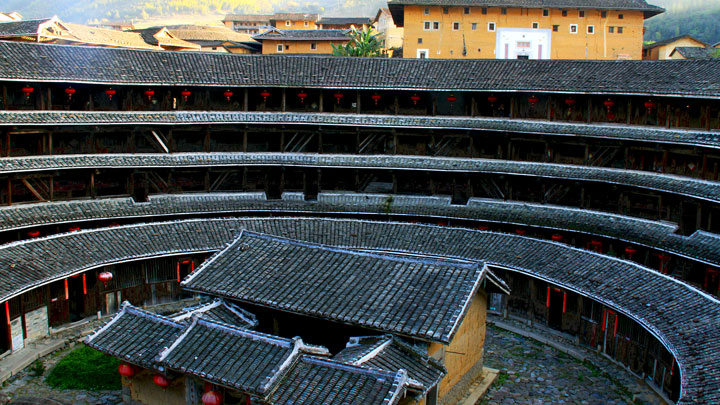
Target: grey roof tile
point(219, 311)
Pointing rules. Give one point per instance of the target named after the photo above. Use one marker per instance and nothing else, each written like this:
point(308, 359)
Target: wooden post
point(244, 146)
point(206, 142)
point(92, 184)
point(50, 143)
point(284, 101)
point(7, 143)
point(246, 98)
point(321, 102)
point(4, 95)
point(589, 110)
point(51, 187)
point(667, 116)
point(512, 106)
point(629, 111)
point(397, 105)
point(49, 99)
point(9, 189)
point(171, 141)
point(357, 102)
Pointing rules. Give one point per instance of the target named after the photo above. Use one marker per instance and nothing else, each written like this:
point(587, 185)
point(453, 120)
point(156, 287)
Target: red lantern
point(211, 398)
point(483, 227)
point(630, 250)
point(161, 381)
point(611, 116)
point(415, 98)
point(533, 100)
point(557, 237)
point(650, 105)
point(126, 370)
point(69, 91)
point(185, 93)
point(27, 90)
point(338, 96)
point(376, 98)
point(609, 104)
point(570, 102)
point(492, 99)
point(302, 95)
point(110, 93)
point(105, 277)
point(265, 94)
point(228, 94)
point(149, 93)
point(33, 234)
point(520, 231)
point(451, 98)
point(74, 228)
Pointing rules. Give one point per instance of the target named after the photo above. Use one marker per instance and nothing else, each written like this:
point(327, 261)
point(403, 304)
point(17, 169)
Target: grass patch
point(85, 369)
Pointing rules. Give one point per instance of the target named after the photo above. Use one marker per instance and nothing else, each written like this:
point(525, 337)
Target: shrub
point(86, 369)
point(38, 368)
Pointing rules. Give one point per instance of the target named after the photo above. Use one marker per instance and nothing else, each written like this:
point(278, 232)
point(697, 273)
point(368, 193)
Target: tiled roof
point(218, 311)
point(237, 358)
point(344, 20)
point(295, 17)
point(683, 318)
point(559, 128)
point(21, 28)
point(135, 336)
point(673, 184)
point(700, 246)
point(390, 353)
point(670, 40)
point(640, 5)
point(248, 17)
point(42, 62)
point(302, 35)
point(316, 381)
point(381, 292)
point(695, 52)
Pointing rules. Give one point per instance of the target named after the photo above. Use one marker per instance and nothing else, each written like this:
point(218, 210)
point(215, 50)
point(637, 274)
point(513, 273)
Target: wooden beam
point(32, 190)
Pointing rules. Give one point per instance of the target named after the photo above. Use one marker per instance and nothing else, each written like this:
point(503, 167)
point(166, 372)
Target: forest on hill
point(698, 18)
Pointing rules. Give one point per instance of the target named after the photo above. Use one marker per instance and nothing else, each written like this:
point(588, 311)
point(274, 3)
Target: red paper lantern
point(630, 250)
point(492, 99)
point(27, 90)
point(451, 98)
point(149, 93)
point(520, 231)
point(483, 227)
point(105, 277)
point(415, 98)
point(74, 228)
point(185, 93)
point(570, 102)
point(302, 95)
point(228, 94)
point(650, 105)
point(557, 237)
point(609, 104)
point(376, 98)
point(338, 96)
point(533, 100)
point(161, 381)
point(211, 398)
point(33, 234)
point(69, 91)
point(110, 93)
point(265, 94)
point(126, 370)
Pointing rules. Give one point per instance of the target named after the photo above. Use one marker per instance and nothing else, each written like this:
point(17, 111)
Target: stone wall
point(16, 330)
point(36, 324)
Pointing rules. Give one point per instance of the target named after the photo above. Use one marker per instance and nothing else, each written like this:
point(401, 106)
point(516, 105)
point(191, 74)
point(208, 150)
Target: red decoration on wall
point(161, 381)
point(7, 312)
point(178, 272)
point(69, 91)
point(376, 98)
point(149, 93)
point(84, 284)
point(415, 98)
point(67, 293)
point(338, 96)
point(228, 94)
point(110, 93)
point(185, 93)
point(302, 95)
point(126, 370)
point(547, 298)
point(105, 277)
point(265, 94)
point(27, 90)
point(564, 302)
point(212, 398)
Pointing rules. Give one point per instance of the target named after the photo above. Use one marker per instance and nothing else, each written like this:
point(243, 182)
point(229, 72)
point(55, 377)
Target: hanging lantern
point(533, 100)
point(126, 370)
point(557, 237)
point(105, 277)
point(185, 93)
point(74, 228)
point(451, 98)
point(415, 98)
point(570, 102)
point(649, 105)
point(520, 231)
point(33, 234)
point(630, 250)
point(483, 227)
point(69, 91)
point(228, 94)
point(492, 99)
point(265, 94)
point(211, 398)
point(110, 93)
point(376, 98)
point(27, 90)
point(149, 93)
point(302, 96)
point(609, 104)
point(338, 96)
point(161, 381)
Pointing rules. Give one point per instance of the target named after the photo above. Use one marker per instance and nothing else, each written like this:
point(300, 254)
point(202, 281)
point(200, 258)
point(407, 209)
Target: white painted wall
point(514, 42)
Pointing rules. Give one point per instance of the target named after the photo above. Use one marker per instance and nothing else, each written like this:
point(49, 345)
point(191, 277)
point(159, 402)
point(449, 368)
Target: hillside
point(695, 17)
point(87, 11)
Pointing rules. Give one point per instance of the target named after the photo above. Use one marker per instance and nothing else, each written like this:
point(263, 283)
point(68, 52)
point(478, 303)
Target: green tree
point(363, 43)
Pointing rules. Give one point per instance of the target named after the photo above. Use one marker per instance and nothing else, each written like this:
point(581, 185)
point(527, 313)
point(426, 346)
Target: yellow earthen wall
point(663, 52)
point(564, 45)
point(301, 47)
point(143, 389)
point(466, 348)
point(295, 25)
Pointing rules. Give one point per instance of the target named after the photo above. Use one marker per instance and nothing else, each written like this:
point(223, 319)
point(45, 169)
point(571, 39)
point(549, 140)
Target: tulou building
point(522, 29)
point(355, 219)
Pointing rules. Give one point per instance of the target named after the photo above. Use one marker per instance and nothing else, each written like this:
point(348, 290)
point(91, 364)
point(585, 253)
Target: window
point(603, 14)
point(307, 24)
point(467, 10)
point(474, 26)
point(535, 25)
point(446, 10)
point(581, 13)
point(546, 12)
point(611, 29)
point(422, 53)
point(556, 28)
point(280, 48)
point(313, 46)
point(484, 10)
point(456, 26)
point(426, 26)
point(427, 10)
point(491, 27)
point(590, 29)
point(503, 11)
point(620, 30)
point(288, 23)
point(564, 13)
point(620, 16)
point(419, 40)
point(436, 25)
point(573, 28)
